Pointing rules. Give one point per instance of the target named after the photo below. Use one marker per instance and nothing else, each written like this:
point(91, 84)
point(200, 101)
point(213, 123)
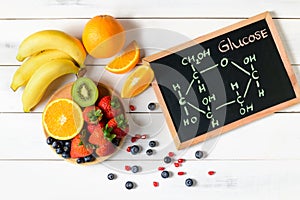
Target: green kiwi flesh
point(84, 92)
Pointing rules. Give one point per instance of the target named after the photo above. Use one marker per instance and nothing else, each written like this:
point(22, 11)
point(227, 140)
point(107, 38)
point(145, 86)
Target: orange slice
point(126, 61)
point(62, 119)
point(138, 81)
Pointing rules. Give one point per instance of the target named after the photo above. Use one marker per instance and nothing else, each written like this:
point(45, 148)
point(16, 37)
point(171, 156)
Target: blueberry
point(66, 149)
point(80, 160)
point(116, 141)
point(167, 159)
point(134, 149)
point(129, 185)
point(165, 174)
point(65, 155)
point(135, 169)
point(189, 182)
point(199, 154)
point(151, 106)
point(152, 144)
point(67, 144)
point(55, 144)
point(59, 150)
point(111, 176)
point(50, 140)
point(149, 152)
point(89, 158)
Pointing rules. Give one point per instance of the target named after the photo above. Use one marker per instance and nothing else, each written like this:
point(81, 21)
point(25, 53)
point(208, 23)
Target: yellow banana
point(41, 79)
point(52, 39)
point(29, 66)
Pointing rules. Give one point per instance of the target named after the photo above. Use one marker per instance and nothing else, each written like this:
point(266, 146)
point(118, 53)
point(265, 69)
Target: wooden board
point(65, 92)
point(223, 80)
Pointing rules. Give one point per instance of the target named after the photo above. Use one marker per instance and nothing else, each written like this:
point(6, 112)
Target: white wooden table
point(257, 161)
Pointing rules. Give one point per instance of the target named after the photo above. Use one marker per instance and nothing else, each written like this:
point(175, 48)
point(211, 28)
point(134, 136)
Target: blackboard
point(223, 80)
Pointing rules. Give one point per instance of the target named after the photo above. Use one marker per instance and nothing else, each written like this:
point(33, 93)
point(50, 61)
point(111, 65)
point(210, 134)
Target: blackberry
point(116, 141)
point(149, 152)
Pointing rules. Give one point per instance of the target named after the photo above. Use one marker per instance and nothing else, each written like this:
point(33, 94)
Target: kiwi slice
point(84, 92)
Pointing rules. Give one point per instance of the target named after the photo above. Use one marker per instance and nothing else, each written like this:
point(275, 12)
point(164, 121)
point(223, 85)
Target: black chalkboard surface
point(223, 80)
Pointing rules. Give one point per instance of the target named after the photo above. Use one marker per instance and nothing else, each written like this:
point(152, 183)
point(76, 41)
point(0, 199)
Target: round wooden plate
point(65, 92)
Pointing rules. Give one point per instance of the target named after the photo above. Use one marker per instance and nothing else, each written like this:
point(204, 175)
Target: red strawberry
point(119, 126)
point(91, 127)
point(78, 150)
point(110, 106)
point(102, 138)
point(92, 114)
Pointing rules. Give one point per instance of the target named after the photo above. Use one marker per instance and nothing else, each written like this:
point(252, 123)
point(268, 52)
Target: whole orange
point(103, 36)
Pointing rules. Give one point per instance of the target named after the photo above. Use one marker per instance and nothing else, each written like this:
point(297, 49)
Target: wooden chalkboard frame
point(263, 16)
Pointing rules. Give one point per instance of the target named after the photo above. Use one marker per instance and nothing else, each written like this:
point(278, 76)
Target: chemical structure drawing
point(240, 91)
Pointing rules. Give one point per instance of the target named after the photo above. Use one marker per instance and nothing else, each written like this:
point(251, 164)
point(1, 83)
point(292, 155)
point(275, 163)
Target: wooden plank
point(146, 31)
point(168, 8)
point(273, 137)
point(274, 180)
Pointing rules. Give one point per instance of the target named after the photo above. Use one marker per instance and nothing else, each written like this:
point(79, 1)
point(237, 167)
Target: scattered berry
point(165, 174)
point(135, 169)
point(151, 106)
point(176, 164)
point(161, 168)
point(144, 136)
point(181, 160)
point(111, 176)
point(79, 160)
point(152, 144)
point(211, 173)
point(155, 184)
point(132, 107)
point(128, 149)
point(129, 185)
point(181, 173)
point(134, 139)
point(135, 149)
point(189, 182)
point(138, 136)
point(127, 168)
point(50, 140)
point(67, 144)
point(171, 154)
point(149, 152)
point(167, 159)
point(199, 154)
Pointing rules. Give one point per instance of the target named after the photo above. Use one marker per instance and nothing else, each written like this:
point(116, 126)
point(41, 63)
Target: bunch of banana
point(47, 55)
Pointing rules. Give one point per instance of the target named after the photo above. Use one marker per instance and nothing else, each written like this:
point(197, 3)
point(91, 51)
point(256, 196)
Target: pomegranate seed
point(132, 107)
point(134, 139)
point(181, 173)
point(128, 149)
point(138, 136)
point(171, 154)
point(155, 184)
point(181, 160)
point(211, 173)
point(144, 136)
point(127, 168)
point(176, 164)
point(161, 168)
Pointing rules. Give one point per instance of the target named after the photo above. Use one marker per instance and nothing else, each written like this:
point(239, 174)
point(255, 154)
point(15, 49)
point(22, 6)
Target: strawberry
point(110, 106)
point(102, 138)
point(78, 150)
point(92, 114)
point(119, 126)
point(91, 127)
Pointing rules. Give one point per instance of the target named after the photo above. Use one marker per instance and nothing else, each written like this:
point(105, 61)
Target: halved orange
point(138, 81)
point(62, 119)
point(126, 61)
